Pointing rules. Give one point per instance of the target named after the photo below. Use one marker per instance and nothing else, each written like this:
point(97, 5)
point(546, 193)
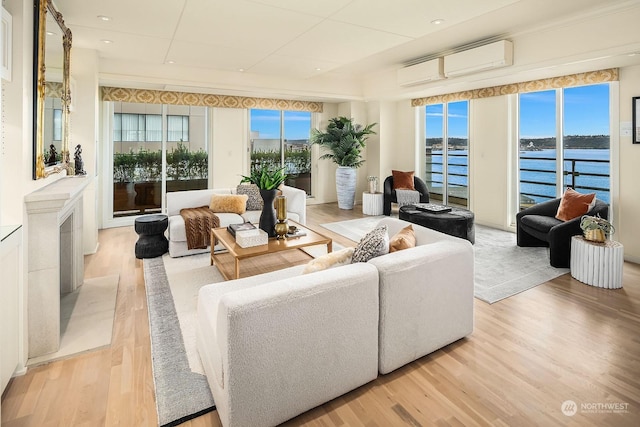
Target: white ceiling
point(295, 40)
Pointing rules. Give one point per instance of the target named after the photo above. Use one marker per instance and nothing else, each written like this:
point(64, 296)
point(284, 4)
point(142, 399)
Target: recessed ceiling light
point(171, 61)
point(318, 69)
point(437, 21)
point(106, 41)
point(103, 18)
point(241, 70)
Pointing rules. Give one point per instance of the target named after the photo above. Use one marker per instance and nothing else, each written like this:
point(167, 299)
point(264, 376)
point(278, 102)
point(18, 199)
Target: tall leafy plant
point(344, 140)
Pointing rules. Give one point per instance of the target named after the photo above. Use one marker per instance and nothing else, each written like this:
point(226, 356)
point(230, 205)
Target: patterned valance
point(580, 79)
point(53, 90)
point(148, 96)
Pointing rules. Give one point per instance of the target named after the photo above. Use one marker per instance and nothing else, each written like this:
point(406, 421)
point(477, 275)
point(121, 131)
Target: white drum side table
point(597, 264)
point(372, 203)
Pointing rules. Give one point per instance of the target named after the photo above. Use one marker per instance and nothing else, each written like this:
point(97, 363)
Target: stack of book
point(233, 228)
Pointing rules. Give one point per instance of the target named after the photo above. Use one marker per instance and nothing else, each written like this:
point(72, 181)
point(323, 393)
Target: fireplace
point(55, 257)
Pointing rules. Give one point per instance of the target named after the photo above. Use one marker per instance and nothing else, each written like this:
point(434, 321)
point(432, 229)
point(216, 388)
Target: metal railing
point(571, 171)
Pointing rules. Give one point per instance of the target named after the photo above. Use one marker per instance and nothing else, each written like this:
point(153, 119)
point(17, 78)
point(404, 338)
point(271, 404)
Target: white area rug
point(86, 318)
point(502, 269)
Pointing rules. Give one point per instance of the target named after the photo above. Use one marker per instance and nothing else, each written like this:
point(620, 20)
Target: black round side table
point(152, 242)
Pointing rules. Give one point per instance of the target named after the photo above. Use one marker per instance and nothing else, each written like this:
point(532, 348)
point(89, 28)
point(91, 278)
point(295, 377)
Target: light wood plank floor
point(528, 354)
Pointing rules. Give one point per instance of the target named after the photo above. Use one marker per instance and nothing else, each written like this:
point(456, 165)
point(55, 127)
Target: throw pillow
point(373, 244)
point(403, 180)
point(254, 202)
point(228, 203)
point(330, 260)
point(574, 204)
point(404, 239)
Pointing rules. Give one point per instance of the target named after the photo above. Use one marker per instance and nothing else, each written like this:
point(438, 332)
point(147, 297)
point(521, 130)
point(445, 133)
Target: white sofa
point(426, 295)
point(278, 344)
point(177, 200)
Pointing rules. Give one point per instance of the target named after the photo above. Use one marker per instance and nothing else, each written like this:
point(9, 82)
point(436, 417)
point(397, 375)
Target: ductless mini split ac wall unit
point(487, 57)
point(421, 73)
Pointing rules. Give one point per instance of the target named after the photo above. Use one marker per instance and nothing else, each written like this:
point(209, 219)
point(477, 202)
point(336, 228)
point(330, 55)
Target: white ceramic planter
point(346, 186)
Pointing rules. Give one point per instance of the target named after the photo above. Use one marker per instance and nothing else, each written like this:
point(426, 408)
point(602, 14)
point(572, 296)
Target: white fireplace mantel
point(55, 257)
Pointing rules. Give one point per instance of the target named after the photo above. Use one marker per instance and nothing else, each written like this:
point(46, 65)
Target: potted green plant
point(596, 229)
point(267, 178)
point(345, 141)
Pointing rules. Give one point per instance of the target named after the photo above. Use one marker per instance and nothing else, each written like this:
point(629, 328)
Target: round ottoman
point(152, 242)
point(458, 222)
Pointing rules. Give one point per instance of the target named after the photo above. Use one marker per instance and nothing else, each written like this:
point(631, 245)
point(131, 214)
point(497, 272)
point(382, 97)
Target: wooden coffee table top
point(229, 242)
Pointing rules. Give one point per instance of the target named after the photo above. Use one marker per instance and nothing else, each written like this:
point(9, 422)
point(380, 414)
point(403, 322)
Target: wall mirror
point(51, 91)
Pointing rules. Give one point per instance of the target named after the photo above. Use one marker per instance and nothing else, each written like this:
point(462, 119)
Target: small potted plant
point(267, 178)
point(596, 229)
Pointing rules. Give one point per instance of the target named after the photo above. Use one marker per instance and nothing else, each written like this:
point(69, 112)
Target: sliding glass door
point(447, 164)
point(281, 138)
point(564, 142)
point(156, 149)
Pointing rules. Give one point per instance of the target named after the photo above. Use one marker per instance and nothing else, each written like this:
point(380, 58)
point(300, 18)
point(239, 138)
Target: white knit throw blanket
point(407, 197)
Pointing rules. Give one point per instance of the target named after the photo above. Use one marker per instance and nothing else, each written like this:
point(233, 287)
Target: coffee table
point(229, 242)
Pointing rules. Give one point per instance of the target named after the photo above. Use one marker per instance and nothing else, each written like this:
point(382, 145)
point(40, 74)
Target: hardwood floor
point(528, 354)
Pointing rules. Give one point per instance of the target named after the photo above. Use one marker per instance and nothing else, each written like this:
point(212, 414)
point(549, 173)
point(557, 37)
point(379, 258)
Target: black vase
point(268, 215)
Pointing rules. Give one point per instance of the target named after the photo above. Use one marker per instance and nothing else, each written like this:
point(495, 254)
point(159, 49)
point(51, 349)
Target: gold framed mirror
point(51, 91)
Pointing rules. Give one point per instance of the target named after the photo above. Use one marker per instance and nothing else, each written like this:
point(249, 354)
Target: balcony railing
point(579, 174)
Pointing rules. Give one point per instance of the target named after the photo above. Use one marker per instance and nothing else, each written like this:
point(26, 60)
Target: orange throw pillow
point(404, 239)
point(574, 204)
point(403, 180)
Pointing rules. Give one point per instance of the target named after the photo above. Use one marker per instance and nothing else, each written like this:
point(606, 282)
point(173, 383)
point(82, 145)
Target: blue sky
point(586, 112)
point(297, 124)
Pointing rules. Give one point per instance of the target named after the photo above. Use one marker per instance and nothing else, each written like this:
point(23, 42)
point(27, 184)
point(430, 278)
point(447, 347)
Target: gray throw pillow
point(254, 202)
point(373, 244)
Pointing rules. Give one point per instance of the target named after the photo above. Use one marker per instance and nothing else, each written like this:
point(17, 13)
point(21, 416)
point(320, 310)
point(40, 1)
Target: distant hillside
point(571, 141)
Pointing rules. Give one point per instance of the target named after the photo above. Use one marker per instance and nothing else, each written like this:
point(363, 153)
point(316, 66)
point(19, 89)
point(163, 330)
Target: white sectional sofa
point(278, 344)
point(426, 295)
point(177, 200)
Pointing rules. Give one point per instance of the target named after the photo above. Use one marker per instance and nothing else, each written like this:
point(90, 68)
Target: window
point(145, 167)
point(177, 128)
point(129, 127)
point(447, 164)
point(282, 138)
point(57, 124)
point(564, 141)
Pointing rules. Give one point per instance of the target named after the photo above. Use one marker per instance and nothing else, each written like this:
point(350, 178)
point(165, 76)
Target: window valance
point(580, 79)
point(149, 96)
point(53, 90)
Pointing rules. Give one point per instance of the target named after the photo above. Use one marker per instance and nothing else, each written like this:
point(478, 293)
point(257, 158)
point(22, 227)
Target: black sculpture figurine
point(77, 158)
point(52, 155)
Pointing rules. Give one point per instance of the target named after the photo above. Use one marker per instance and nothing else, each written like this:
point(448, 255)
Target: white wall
point(627, 207)
point(489, 160)
point(228, 153)
point(84, 128)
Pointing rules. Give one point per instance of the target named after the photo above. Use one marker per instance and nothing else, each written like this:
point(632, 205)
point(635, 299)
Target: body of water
point(543, 172)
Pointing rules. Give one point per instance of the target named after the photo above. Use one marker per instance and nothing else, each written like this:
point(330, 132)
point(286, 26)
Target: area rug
point(502, 269)
point(172, 285)
point(86, 318)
